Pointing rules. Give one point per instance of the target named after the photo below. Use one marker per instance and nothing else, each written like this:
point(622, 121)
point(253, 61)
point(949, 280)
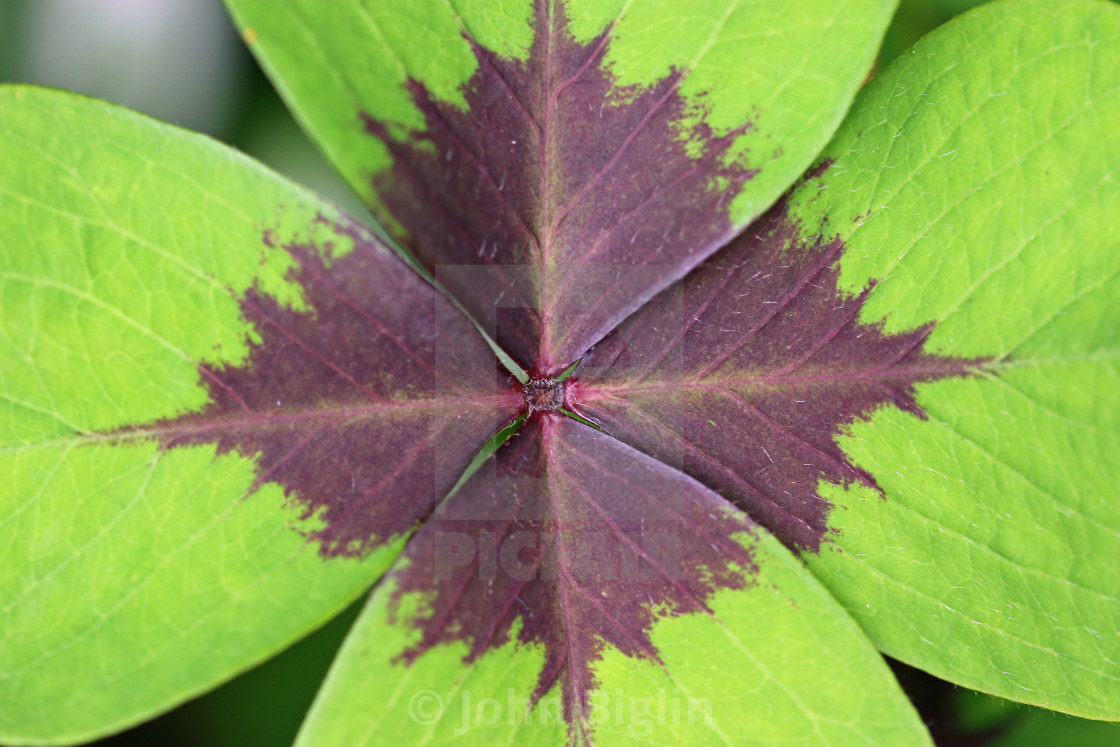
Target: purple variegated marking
point(745, 374)
point(583, 541)
point(579, 198)
point(366, 406)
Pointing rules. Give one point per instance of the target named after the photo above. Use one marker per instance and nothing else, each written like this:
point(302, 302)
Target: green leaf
point(976, 186)
point(944, 283)
point(564, 635)
point(163, 528)
point(797, 64)
point(530, 149)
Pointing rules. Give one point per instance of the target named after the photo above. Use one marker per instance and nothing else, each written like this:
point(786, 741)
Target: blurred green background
point(181, 61)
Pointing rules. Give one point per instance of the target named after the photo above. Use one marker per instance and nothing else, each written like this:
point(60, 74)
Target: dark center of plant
point(544, 395)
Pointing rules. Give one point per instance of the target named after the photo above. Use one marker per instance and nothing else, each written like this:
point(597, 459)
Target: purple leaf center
point(544, 395)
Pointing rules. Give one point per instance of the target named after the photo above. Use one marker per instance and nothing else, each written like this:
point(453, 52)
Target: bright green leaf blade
point(526, 150)
point(141, 568)
point(977, 182)
point(798, 64)
point(525, 643)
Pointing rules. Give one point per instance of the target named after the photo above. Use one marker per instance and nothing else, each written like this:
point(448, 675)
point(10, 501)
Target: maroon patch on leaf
point(366, 407)
point(585, 541)
point(556, 204)
point(744, 375)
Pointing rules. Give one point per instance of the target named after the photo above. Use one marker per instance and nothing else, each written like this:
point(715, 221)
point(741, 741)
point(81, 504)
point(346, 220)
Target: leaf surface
point(908, 371)
point(581, 592)
point(223, 407)
point(558, 163)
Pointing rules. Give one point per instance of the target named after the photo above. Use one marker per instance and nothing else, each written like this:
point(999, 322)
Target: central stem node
point(544, 395)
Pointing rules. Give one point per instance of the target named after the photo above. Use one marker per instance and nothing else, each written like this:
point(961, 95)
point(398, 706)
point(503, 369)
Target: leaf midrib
point(777, 379)
point(254, 419)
